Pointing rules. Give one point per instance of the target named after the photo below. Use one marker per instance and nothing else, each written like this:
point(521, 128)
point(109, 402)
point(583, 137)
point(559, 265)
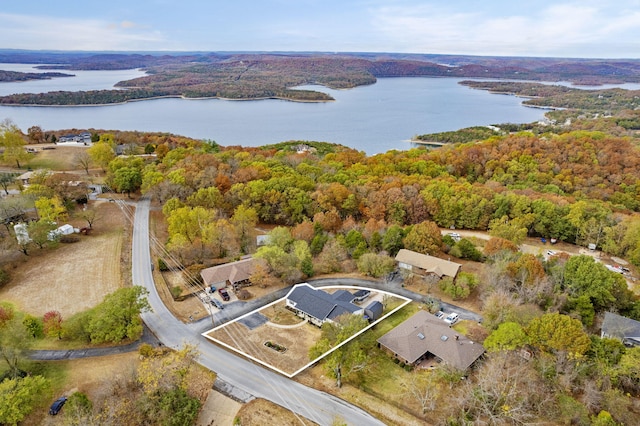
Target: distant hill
point(246, 75)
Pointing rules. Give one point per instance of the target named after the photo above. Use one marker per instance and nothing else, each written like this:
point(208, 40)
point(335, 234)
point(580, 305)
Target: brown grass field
point(72, 277)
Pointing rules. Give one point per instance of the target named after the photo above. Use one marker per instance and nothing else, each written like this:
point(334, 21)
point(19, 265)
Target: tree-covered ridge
point(468, 134)
point(606, 101)
point(271, 75)
point(8, 76)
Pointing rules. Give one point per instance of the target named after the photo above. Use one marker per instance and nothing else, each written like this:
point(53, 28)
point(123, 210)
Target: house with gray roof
point(423, 336)
point(317, 306)
point(622, 328)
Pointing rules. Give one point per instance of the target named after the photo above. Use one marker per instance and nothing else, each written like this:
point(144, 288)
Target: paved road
point(242, 376)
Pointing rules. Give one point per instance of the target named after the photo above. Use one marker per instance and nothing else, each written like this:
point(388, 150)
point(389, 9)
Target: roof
point(233, 272)
point(376, 308)
point(320, 304)
point(620, 327)
point(430, 264)
point(423, 333)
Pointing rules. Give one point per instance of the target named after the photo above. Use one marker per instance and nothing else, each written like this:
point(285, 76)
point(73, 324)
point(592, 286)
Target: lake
point(373, 119)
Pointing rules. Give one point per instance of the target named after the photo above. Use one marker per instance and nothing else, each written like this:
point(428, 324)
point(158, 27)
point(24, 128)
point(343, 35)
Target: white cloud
point(558, 30)
point(42, 32)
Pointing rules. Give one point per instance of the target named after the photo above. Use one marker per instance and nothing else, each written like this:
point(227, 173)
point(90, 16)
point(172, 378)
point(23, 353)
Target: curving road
point(244, 376)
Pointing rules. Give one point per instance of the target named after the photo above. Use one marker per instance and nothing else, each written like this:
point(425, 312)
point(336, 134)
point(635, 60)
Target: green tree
point(558, 333)
point(514, 230)
point(117, 317)
point(78, 409)
point(7, 179)
point(102, 153)
point(14, 342)
point(464, 249)
point(375, 265)
point(40, 232)
point(127, 179)
point(586, 278)
point(19, 396)
point(244, 220)
point(12, 141)
point(392, 240)
point(348, 358)
point(50, 209)
point(33, 325)
point(508, 336)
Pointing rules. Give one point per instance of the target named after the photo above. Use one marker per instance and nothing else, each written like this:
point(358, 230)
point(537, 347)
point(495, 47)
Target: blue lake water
point(373, 119)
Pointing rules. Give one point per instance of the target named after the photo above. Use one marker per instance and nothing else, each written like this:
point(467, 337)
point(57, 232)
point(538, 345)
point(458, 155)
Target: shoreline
point(172, 96)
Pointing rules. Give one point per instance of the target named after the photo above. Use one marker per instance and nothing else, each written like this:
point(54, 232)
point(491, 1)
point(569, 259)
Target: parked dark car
point(218, 304)
point(57, 405)
point(224, 294)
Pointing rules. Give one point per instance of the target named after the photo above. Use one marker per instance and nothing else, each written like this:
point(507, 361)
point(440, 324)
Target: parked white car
point(451, 318)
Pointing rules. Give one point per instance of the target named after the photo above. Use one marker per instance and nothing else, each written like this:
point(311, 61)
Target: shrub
point(176, 292)
point(146, 350)
point(162, 265)
point(68, 239)
point(243, 294)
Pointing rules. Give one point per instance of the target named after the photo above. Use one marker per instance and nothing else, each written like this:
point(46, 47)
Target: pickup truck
point(224, 294)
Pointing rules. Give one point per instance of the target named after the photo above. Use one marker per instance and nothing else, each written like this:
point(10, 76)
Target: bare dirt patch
point(296, 341)
point(218, 410)
point(72, 277)
point(261, 412)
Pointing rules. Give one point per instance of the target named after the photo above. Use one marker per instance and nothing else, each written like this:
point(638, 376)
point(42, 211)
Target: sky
point(542, 28)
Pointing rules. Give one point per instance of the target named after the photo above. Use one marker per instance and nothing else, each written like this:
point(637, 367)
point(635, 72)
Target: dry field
point(297, 342)
point(261, 412)
point(72, 277)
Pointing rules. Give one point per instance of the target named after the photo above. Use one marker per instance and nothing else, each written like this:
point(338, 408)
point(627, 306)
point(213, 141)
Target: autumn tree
point(82, 159)
point(424, 238)
point(35, 134)
point(52, 322)
point(423, 388)
point(50, 209)
point(496, 245)
point(506, 390)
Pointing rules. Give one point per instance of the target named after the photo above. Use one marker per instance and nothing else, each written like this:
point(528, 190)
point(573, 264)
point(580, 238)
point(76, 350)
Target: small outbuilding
point(373, 311)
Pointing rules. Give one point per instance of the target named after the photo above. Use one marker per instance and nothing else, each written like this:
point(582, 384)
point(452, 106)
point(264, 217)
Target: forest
point(333, 209)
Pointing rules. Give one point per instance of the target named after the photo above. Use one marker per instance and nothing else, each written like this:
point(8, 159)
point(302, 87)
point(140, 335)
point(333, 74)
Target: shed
point(374, 311)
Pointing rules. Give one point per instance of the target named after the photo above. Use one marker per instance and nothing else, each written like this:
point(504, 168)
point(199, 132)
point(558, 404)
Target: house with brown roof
point(423, 336)
point(234, 274)
point(423, 264)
